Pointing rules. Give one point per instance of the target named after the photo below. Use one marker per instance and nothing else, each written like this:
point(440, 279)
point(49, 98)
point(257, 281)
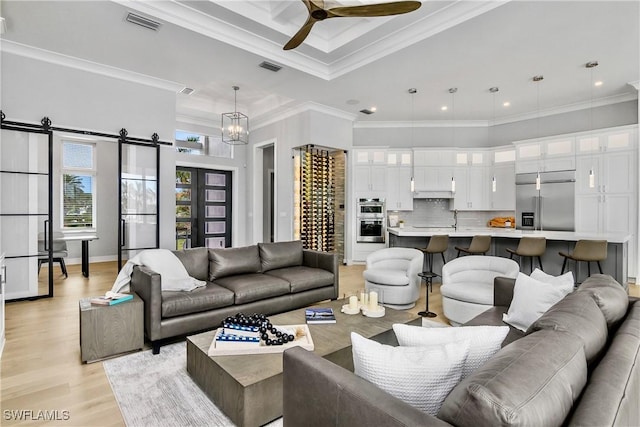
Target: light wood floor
point(40, 367)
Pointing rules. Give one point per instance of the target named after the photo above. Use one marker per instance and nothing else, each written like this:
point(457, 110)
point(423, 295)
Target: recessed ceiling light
point(506, 104)
point(444, 108)
point(374, 109)
point(598, 83)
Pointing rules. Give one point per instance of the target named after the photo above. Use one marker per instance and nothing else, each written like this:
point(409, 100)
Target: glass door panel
point(25, 211)
point(138, 198)
point(186, 197)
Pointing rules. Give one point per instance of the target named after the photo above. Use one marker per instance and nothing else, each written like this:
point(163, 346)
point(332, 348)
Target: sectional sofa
point(266, 278)
point(577, 365)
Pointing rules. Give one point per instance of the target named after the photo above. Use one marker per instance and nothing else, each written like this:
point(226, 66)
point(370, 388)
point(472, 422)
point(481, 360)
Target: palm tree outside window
point(78, 185)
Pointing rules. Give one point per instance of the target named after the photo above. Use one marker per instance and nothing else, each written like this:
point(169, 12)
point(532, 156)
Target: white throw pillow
point(419, 376)
point(484, 341)
point(531, 299)
point(565, 281)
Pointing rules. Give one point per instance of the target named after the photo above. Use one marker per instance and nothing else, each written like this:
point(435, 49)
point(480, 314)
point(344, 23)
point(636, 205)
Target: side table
point(109, 330)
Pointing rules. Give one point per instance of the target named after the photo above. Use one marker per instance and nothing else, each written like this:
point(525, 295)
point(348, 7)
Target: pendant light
point(538, 79)
point(590, 66)
point(452, 91)
point(412, 91)
point(493, 90)
point(235, 125)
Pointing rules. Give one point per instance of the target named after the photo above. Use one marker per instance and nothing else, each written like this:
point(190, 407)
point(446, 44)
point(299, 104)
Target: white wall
point(624, 113)
point(71, 98)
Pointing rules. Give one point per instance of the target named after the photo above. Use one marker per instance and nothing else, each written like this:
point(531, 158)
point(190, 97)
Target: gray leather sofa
point(266, 278)
point(578, 365)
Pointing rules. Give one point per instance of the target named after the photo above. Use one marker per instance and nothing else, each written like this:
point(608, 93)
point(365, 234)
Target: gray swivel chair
point(59, 251)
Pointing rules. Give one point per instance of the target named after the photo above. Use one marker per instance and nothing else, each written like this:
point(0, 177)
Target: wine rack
point(315, 199)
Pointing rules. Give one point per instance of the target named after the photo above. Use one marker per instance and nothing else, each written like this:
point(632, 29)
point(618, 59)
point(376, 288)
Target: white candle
point(353, 302)
point(364, 299)
point(373, 300)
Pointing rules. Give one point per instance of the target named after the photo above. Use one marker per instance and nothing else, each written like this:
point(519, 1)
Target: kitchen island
point(502, 238)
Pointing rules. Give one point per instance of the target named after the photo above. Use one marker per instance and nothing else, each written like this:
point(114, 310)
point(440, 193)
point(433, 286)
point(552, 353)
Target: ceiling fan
point(317, 12)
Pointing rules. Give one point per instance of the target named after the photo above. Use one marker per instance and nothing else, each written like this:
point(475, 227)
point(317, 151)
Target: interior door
point(138, 230)
point(26, 211)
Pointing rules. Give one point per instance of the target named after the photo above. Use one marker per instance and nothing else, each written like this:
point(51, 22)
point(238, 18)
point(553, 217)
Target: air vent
point(142, 21)
point(270, 66)
point(187, 91)
point(367, 111)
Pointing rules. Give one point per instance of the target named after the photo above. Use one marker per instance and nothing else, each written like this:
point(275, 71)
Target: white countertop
point(570, 236)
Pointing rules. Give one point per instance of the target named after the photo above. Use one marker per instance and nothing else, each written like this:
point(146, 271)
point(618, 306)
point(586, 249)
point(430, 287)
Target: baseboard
point(77, 261)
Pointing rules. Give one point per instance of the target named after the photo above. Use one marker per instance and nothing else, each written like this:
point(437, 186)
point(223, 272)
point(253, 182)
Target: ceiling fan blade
point(302, 34)
point(380, 9)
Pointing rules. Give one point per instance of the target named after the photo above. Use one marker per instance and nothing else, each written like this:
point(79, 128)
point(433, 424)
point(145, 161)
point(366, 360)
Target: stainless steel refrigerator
point(549, 208)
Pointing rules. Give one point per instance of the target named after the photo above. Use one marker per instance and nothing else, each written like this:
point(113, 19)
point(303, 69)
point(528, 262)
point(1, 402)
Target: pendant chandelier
point(538, 79)
point(235, 125)
point(453, 91)
point(493, 90)
point(590, 66)
point(412, 91)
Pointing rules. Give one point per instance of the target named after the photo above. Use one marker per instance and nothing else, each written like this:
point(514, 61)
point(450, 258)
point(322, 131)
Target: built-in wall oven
point(371, 222)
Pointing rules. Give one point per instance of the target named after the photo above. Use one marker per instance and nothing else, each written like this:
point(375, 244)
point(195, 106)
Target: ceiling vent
point(187, 91)
point(142, 21)
point(270, 66)
point(367, 111)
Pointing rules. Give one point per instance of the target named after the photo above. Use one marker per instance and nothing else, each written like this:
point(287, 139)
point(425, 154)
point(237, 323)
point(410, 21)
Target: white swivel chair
point(395, 272)
point(467, 285)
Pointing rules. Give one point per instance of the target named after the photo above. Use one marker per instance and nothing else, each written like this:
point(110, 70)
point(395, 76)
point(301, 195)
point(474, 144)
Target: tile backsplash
point(436, 213)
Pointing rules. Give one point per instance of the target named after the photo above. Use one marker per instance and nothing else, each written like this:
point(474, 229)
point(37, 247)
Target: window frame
point(91, 172)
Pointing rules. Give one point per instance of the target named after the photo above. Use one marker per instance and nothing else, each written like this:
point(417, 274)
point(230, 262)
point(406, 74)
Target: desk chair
point(59, 251)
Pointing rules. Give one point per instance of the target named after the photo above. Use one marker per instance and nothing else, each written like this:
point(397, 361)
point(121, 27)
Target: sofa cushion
point(609, 295)
point(385, 276)
point(195, 261)
point(549, 370)
point(565, 281)
point(577, 314)
point(493, 317)
point(419, 376)
point(231, 261)
point(474, 292)
point(484, 341)
point(280, 254)
point(254, 287)
point(303, 278)
point(205, 298)
point(531, 298)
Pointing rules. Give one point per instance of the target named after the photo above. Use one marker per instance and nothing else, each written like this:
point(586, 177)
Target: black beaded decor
point(269, 334)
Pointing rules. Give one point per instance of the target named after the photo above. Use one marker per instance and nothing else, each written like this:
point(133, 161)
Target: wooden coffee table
point(248, 388)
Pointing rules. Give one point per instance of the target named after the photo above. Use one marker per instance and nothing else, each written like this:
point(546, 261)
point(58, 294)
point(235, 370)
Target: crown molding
point(421, 124)
point(430, 25)
point(287, 112)
point(198, 121)
point(635, 84)
point(51, 57)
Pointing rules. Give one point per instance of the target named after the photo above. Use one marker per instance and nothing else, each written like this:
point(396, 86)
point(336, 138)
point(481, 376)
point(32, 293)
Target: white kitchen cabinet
point(399, 195)
point(614, 172)
point(605, 213)
point(472, 186)
point(504, 198)
point(545, 155)
point(433, 178)
point(433, 157)
point(400, 158)
point(370, 172)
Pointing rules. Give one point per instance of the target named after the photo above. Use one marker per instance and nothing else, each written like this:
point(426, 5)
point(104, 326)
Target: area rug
point(156, 391)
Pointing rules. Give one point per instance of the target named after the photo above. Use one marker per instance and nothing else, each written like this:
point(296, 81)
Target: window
point(193, 143)
point(78, 185)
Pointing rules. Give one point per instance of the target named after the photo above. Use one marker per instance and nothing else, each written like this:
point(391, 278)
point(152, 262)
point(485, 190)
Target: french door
point(26, 212)
point(203, 208)
point(139, 179)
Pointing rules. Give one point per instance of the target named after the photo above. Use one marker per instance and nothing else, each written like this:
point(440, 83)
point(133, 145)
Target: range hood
point(433, 195)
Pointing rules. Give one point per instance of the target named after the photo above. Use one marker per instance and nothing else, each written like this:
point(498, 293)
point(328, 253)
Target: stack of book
point(233, 335)
point(319, 315)
point(111, 298)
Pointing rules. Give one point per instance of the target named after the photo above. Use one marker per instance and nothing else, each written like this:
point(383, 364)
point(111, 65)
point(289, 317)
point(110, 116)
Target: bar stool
point(427, 276)
point(530, 247)
point(586, 251)
point(438, 244)
point(479, 246)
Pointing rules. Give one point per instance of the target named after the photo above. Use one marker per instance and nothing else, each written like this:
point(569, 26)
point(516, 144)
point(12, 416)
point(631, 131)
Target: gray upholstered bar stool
point(587, 251)
point(530, 247)
point(480, 245)
point(438, 244)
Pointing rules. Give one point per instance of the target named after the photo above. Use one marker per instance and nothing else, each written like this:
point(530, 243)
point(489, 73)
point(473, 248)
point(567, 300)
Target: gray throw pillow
point(232, 261)
point(195, 261)
point(280, 254)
